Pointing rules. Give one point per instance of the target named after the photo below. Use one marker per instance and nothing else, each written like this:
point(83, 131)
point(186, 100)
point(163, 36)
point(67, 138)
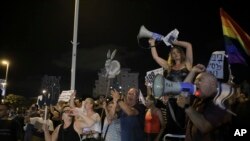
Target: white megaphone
point(145, 33)
point(162, 86)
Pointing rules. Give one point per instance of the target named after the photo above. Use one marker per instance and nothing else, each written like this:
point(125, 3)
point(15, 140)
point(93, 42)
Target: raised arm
point(71, 100)
point(110, 114)
point(149, 88)
point(82, 120)
point(162, 62)
point(189, 52)
point(197, 118)
point(130, 111)
point(48, 136)
point(194, 71)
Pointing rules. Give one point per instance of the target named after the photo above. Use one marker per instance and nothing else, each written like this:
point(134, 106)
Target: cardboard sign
point(216, 64)
point(65, 95)
point(151, 75)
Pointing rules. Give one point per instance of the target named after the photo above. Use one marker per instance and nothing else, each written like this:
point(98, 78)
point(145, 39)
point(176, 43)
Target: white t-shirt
point(38, 123)
point(96, 126)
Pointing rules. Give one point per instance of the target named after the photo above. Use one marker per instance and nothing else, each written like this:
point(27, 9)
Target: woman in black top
point(176, 69)
point(70, 129)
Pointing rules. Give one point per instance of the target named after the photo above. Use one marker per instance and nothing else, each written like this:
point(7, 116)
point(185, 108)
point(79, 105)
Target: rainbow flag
point(235, 38)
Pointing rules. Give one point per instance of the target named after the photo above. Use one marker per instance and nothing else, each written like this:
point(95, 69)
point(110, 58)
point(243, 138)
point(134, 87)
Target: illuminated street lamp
point(6, 76)
point(7, 69)
point(44, 91)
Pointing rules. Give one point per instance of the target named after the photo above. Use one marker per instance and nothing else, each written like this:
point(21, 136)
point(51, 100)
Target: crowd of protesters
point(124, 117)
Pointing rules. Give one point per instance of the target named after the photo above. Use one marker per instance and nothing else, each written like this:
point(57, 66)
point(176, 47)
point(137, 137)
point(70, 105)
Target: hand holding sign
point(216, 64)
point(65, 95)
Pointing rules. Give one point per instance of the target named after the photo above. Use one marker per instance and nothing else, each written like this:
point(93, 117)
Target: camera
point(116, 86)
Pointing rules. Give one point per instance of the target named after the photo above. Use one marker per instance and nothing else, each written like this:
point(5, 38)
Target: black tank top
point(176, 75)
point(178, 126)
point(68, 134)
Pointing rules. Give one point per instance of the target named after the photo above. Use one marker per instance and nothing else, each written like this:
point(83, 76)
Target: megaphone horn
point(162, 86)
point(145, 33)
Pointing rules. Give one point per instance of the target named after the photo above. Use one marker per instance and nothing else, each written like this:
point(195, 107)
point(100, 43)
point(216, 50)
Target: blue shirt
point(132, 127)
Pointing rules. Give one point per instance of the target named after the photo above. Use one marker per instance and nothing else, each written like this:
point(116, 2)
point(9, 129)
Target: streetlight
point(5, 62)
point(44, 91)
point(7, 69)
point(74, 42)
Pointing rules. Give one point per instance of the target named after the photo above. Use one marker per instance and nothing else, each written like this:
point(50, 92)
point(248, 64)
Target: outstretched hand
point(115, 95)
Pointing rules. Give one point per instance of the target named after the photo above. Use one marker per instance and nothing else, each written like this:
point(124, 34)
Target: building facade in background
point(51, 85)
point(125, 80)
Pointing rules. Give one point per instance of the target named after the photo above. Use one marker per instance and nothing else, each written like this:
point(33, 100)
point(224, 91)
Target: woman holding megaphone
point(176, 67)
point(177, 61)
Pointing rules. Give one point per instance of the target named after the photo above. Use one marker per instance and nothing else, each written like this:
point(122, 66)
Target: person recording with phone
point(73, 123)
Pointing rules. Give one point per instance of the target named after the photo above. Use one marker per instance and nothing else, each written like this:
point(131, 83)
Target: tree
point(16, 100)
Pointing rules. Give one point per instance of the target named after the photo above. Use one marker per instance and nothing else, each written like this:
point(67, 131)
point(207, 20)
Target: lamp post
point(44, 91)
point(5, 62)
point(74, 42)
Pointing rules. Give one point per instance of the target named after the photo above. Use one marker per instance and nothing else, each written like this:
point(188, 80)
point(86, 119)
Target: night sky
point(36, 36)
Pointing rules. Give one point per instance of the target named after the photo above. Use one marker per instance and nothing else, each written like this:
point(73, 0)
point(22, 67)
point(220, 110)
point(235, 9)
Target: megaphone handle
point(157, 37)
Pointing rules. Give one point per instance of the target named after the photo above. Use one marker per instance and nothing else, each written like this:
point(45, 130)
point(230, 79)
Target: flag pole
point(74, 42)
